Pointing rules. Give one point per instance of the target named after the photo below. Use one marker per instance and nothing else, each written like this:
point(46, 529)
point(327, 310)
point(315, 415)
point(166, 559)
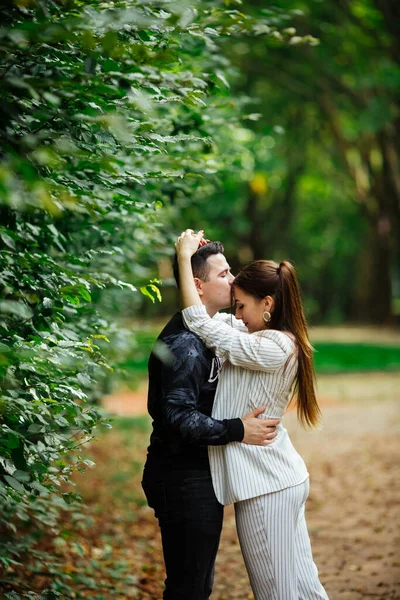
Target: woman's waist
point(237, 410)
point(281, 447)
point(279, 462)
point(238, 405)
point(277, 414)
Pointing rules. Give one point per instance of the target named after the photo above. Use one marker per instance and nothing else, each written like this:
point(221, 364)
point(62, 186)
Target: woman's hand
point(188, 242)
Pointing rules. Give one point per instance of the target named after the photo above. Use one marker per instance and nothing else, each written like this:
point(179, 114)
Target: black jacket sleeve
point(181, 382)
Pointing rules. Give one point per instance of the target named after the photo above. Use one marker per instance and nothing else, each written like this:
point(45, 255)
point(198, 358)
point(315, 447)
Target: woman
point(268, 484)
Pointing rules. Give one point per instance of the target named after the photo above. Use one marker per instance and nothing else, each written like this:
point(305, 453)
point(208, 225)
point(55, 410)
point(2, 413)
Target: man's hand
point(259, 432)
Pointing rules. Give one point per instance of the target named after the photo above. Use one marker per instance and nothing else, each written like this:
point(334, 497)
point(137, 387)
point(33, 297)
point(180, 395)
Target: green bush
point(109, 111)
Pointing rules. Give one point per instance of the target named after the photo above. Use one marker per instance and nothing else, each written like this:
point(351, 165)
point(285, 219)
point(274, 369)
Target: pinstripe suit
point(259, 370)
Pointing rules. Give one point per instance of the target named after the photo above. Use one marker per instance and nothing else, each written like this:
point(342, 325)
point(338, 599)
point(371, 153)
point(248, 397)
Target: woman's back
point(240, 386)
point(241, 471)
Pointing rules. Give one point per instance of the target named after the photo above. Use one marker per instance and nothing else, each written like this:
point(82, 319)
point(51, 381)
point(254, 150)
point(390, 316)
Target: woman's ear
point(199, 285)
point(269, 303)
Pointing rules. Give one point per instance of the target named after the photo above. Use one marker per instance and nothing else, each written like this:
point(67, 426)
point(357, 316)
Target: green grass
point(351, 358)
point(128, 424)
point(134, 368)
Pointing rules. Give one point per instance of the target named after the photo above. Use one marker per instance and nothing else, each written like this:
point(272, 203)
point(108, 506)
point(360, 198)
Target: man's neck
point(210, 309)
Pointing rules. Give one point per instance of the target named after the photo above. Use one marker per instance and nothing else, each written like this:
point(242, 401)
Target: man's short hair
point(200, 266)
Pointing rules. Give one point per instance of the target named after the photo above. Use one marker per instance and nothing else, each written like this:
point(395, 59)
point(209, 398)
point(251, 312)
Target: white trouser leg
point(309, 586)
point(276, 548)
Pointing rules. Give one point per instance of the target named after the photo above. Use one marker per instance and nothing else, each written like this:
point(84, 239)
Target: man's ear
point(199, 285)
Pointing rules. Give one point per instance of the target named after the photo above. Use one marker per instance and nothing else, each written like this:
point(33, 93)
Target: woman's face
point(250, 309)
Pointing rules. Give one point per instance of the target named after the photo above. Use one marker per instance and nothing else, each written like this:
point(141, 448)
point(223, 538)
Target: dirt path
point(353, 511)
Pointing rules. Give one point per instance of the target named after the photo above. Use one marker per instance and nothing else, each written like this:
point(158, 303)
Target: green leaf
point(152, 292)
point(85, 294)
point(18, 309)
point(8, 241)
point(221, 76)
point(12, 440)
point(22, 476)
point(14, 483)
point(70, 498)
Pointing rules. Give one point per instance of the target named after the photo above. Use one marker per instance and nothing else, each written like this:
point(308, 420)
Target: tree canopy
point(318, 179)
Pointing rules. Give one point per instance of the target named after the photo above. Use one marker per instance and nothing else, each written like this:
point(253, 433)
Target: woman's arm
point(230, 320)
point(186, 246)
point(258, 352)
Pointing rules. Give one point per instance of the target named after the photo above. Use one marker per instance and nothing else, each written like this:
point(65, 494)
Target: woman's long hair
point(264, 278)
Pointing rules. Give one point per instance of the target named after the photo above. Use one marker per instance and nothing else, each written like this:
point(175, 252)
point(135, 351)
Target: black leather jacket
point(183, 376)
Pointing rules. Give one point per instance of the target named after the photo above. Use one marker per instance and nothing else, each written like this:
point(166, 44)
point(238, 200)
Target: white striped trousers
point(276, 547)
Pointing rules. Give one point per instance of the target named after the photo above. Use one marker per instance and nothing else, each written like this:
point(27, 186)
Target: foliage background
point(111, 113)
point(317, 179)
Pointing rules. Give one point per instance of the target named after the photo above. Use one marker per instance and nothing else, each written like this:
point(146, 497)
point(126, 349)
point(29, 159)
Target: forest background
point(275, 129)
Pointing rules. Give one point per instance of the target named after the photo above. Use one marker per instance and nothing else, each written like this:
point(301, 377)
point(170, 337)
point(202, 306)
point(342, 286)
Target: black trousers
point(190, 519)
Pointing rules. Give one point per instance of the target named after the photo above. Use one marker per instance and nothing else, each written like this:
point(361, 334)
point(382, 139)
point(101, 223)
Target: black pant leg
point(190, 519)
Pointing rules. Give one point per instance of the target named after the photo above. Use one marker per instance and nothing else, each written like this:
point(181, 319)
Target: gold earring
point(266, 316)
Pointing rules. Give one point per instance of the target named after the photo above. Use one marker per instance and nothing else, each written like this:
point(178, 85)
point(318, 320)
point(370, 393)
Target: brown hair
point(200, 266)
point(266, 278)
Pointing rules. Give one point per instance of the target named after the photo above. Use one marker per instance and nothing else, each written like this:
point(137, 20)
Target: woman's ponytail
point(292, 319)
point(266, 278)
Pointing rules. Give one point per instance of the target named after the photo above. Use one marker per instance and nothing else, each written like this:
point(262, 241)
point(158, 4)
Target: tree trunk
point(270, 221)
point(373, 289)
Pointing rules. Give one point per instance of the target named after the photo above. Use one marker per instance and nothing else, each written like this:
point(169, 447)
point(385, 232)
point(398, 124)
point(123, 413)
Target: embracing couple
point(218, 387)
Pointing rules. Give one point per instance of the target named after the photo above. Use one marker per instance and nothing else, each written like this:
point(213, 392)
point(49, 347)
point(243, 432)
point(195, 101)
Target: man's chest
point(208, 386)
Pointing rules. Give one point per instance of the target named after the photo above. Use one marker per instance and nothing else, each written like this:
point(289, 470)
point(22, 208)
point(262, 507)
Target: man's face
point(215, 293)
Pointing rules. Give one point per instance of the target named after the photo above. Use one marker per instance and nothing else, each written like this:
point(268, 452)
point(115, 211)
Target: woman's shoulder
point(286, 339)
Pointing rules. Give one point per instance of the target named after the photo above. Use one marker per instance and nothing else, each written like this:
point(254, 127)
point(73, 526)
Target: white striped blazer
point(259, 370)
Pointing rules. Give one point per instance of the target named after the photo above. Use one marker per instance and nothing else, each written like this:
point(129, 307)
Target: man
point(183, 376)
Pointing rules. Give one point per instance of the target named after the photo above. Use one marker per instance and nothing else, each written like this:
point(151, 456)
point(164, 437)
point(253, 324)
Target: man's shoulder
point(175, 333)
point(174, 325)
point(177, 346)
